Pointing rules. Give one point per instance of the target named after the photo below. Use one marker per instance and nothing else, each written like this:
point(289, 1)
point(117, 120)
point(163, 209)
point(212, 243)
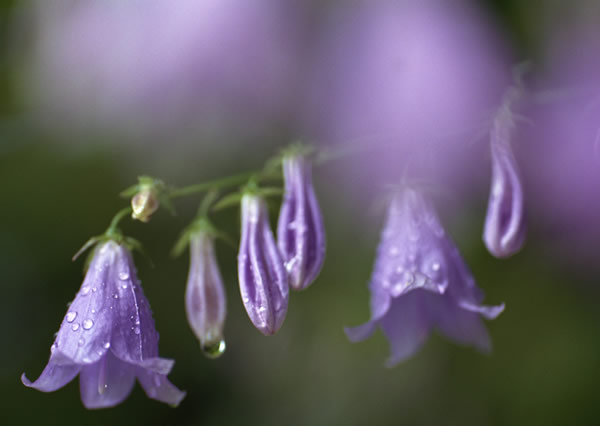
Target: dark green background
point(56, 192)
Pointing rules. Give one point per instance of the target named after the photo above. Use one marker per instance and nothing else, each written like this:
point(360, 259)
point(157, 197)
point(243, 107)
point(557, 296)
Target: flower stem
point(213, 184)
point(112, 229)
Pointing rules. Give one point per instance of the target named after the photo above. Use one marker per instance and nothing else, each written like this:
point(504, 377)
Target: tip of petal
point(488, 312)
point(26, 381)
point(360, 333)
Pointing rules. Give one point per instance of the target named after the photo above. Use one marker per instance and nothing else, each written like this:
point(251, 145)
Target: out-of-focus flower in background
point(562, 147)
point(413, 82)
point(157, 66)
point(420, 282)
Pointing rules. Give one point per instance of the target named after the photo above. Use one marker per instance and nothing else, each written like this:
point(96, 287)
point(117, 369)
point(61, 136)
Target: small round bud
point(144, 204)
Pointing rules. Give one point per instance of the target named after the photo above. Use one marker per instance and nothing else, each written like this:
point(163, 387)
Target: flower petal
point(461, 325)
point(87, 325)
point(54, 376)
point(158, 387)
point(107, 382)
point(488, 312)
point(407, 325)
point(361, 332)
point(134, 337)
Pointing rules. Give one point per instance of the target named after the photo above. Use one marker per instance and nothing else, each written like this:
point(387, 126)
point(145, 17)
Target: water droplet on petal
point(53, 347)
point(124, 286)
point(214, 350)
point(75, 327)
point(71, 316)
point(136, 330)
point(106, 345)
point(435, 266)
point(81, 342)
point(87, 324)
point(85, 290)
point(115, 296)
point(94, 289)
point(123, 276)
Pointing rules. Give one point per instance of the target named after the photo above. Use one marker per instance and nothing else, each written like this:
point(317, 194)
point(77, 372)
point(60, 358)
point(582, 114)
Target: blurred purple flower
point(205, 301)
point(300, 230)
point(505, 226)
point(152, 64)
point(421, 282)
point(263, 279)
point(108, 338)
point(563, 148)
point(413, 82)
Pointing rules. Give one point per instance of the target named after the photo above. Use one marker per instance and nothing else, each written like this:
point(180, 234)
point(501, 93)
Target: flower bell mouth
point(108, 338)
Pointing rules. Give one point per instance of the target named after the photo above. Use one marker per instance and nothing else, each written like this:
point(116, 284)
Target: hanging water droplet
point(81, 342)
point(87, 324)
point(71, 316)
point(53, 347)
point(85, 290)
point(75, 327)
point(123, 276)
point(213, 350)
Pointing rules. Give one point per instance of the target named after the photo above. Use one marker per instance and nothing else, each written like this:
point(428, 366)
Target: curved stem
point(213, 184)
point(112, 228)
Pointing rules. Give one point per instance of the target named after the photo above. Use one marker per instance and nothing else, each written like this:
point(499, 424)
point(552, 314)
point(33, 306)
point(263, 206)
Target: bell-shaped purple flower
point(420, 282)
point(505, 226)
point(205, 301)
point(300, 230)
point(263, 280)
point(108, 338)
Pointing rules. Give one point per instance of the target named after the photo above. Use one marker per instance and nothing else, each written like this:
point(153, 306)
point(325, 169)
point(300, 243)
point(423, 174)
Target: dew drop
point(213, 350)
point(81, 342)
point(115, 296)
point(53, 347)
point(85, 290)
point(136, 330)
point(262, 309)
point(435, 266)
point(124, 286)
point(71, 316)
point(93, 311)
point(106, 345)
point(75, 327)
point(123, 276)
point(94, 289)
point(87, 324)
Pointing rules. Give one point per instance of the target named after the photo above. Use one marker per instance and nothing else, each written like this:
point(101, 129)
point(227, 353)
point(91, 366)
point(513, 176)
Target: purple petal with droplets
point(300, 230)
point(54, 376)
point(106, 383)
point(262, 277)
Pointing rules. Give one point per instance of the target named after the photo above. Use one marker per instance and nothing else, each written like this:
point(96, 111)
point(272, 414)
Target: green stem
point(116, 219)
point(213, 184)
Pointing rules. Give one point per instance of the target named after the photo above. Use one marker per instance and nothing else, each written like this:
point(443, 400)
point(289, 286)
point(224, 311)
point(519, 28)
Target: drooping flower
point(108, 338)
point(300, 230)
point(420, 282)
point(505, 227)
point(262, 276)
point(205, 301)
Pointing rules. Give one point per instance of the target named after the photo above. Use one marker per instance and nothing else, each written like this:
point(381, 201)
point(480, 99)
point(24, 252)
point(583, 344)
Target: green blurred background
point(56, 192)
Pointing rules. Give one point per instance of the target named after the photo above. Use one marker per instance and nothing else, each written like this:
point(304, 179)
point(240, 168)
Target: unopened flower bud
point(262, 276)
point(205, 300)
point(300, 230)
point(144, 204)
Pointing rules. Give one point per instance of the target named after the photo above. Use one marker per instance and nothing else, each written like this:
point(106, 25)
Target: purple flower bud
point(205, 301)
point(108, 338)
point(300, 231)
point(505, 227)
point(420, 282)
point(262, 276)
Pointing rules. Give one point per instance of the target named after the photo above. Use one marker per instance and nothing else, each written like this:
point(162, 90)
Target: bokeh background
point(95, 93)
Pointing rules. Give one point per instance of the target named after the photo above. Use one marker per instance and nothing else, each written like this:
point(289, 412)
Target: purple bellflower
point(420, 282)
point(263, 279)
point(205, 301)
point(300, 230)
point(108, 338)
point(505, 226)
